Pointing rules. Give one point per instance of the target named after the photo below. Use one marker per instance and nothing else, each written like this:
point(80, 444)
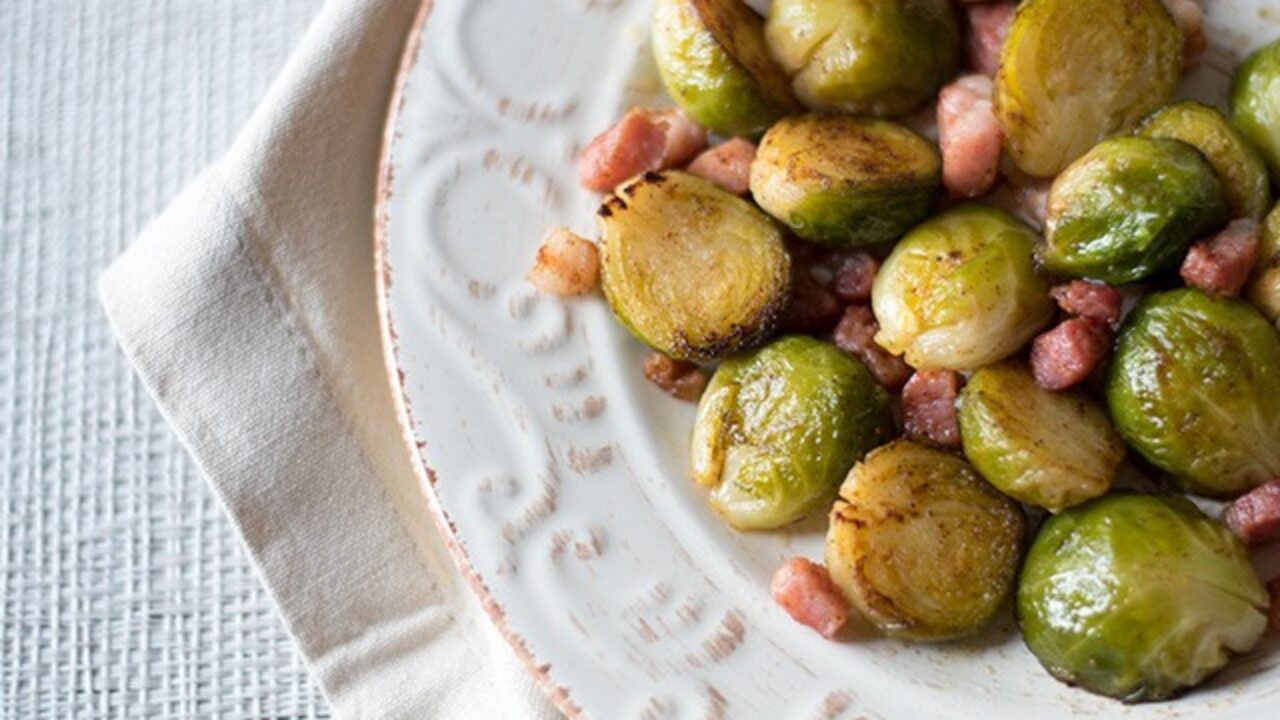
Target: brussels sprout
point(1075, 71)
point(1053, 450)
point(1138, 596)
point(712, 58)
point(1129, 208)
point(1241, 170)
point(1193, 389)
point(694, 272)
point(1253, 103)
point(865, 57)
point(1264, 287)
point(961, 291)
point(921, 545)
point(778, 429)
point(845, 180)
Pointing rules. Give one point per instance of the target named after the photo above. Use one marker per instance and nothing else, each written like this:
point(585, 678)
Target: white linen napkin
point(248, 310)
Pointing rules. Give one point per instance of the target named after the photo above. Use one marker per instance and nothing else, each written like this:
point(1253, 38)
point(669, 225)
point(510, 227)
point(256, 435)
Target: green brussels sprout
point(1193, 388)
point(1138, 596)
point(1253, 103)
point(961, 291)
point(1043, 448)
point(1129, 208)
point(845, 180)
point(1264, 286)
point(865, 57)
point(777, 429)
point(713, 60)
point(1073, 72)
point(1239, 167)
point(921, 545)
point(691, 270)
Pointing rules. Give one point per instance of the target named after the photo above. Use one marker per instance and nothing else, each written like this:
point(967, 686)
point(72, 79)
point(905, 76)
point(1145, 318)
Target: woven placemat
point(123, 589)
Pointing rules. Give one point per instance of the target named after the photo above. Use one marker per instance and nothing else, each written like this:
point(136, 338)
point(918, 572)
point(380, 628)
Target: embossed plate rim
point(558, 694)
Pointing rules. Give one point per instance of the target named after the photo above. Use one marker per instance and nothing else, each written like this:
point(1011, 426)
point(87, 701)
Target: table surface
point(124, 590)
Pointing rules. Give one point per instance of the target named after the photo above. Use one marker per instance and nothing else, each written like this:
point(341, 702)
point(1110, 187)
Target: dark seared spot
point(611, 205)
point(737, 337)
point(651, 176)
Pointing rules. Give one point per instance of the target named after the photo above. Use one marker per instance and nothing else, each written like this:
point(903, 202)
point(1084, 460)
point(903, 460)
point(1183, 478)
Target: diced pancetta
point(804, 589)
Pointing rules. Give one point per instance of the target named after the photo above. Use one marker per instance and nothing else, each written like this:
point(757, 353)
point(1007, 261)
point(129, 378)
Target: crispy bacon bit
point(634, 145)
point(727, 165)
point(969, 136)
point(567, 264)
point(679, 379)
point(1222, 264)
point(855, 273)
point(641, 141)
point(1255, 516)
point(1087, 299)
point(1067, 354)
point(684, 137)
point(929, 407)
point(989, 24)
point(813, 309)
point(804, 589)
point(1190, 18)
point(856, 335)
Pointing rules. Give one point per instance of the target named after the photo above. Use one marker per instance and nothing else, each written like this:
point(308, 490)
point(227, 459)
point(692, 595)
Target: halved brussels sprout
point(845, 180)
point(1264, 287)
point(1241, 170)
point(1253, 103)
point(1043, 448)
point(1193, 388)
point(694, 272)
point(778, 429)
point(961, 291)
point(1138, 597)
point(921, 545)
point(712, 58)
point(865, 57)
point(1129, 208)
point(1075, 71)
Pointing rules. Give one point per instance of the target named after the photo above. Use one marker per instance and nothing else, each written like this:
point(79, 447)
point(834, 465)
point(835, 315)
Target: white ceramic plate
point(561, 474)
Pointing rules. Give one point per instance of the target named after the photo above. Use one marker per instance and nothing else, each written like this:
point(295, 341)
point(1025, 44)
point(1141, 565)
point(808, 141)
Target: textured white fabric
point(124, 590)
point(247, 308)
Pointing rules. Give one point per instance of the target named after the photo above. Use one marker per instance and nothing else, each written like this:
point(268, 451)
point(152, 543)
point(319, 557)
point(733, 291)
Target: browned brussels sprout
point(778, 429)
point(712, 58)
point(1075, 71)
point(1138, 597)
point(1192, 388)
point(921, 545)
point(865, 57)
point(845, 180)
point(694, 272)
point(1051, 449)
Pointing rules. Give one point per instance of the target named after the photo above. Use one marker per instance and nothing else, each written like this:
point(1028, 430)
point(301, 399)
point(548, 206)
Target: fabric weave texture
point(124, 590)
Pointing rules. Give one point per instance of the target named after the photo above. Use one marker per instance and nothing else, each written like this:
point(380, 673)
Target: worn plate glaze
point(560, 475)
